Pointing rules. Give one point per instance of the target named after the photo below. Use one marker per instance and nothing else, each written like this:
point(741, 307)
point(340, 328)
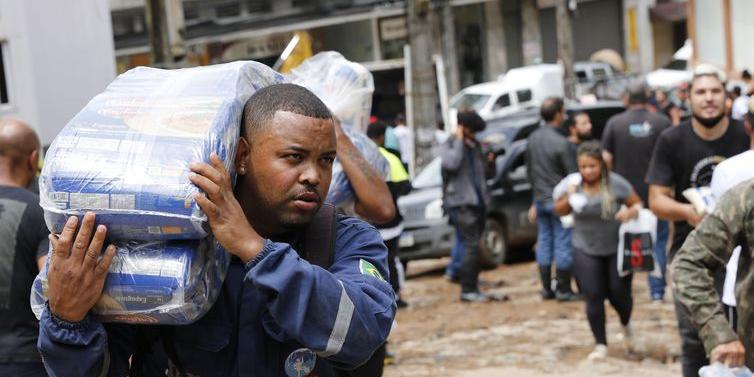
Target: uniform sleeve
point(451, 153)
point(707, 249)
point(82, 349)
point(343, 314)
point(660, 170)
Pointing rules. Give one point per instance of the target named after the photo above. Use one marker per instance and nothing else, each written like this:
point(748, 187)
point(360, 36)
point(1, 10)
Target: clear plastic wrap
point(346, 88)
point(125, 156)
point(172, 282)
point(340, 188)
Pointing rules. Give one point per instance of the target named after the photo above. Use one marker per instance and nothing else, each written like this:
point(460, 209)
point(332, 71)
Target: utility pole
point(565, 44)
point(449, 49)
point(165, 24)
point(423, 79)
point(531, 35)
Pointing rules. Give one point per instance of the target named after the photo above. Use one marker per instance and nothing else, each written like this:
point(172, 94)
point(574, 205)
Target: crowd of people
point(330, 313)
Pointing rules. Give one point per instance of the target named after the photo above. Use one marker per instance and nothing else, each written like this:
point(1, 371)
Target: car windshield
point(430, 176)
point(466, 100)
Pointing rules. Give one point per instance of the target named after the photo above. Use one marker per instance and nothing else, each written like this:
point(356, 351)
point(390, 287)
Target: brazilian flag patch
point(367, 268)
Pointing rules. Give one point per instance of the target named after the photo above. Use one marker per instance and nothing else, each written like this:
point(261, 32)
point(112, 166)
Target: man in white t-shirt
point(405, 139)
point(727, 174)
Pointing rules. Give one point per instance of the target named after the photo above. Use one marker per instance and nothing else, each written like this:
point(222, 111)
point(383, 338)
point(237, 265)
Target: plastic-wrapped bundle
point(340, 188)
point(344, 86)
point(172, 282)
point(125, 156)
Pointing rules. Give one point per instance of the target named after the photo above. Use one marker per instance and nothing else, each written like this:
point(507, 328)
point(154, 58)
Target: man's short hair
point(551, 107)
point(471, 120)
point(376, 129)
point(710, 70)
point(262, 106)
point(570, 122)
point(637, 92)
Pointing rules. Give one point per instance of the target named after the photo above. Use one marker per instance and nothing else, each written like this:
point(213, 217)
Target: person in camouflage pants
point(708, 249)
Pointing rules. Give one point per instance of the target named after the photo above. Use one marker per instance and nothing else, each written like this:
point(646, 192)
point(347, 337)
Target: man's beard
point(709, 122)
point(584, 137)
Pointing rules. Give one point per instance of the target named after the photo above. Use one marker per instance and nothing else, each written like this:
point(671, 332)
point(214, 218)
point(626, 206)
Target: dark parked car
point(427, 233)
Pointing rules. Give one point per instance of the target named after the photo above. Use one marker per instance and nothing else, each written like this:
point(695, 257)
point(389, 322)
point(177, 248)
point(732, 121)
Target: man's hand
point(692, 217)
point(226, 217)
point(532, 215)
point(75, 275)
point(732, 354)
point(458, 132)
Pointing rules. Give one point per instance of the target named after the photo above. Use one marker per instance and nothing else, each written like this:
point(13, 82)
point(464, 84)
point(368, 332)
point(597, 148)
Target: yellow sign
point(633, 34)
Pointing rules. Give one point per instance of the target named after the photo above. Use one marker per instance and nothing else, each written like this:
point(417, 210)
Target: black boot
point(545, 276)
point(564, 292)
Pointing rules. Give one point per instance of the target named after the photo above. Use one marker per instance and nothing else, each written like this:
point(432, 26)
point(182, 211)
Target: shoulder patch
point(367, 268)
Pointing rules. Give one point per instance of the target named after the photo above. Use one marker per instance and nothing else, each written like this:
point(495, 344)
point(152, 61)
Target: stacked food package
point(125, 157)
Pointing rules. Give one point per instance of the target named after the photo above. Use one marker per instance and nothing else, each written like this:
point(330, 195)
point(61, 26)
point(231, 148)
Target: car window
point(599, 73)
point(503, 101)
point(466, 100)
point(523, 95)
point(430, 176)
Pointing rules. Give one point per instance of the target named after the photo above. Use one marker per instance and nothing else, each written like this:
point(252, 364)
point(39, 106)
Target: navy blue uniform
point(274, 304)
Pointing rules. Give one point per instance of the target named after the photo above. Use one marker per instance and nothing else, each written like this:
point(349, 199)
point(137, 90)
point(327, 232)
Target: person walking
point(686, 157)
point(466, 197)
point(628, 142)
point(596, 203)
point(549, 158)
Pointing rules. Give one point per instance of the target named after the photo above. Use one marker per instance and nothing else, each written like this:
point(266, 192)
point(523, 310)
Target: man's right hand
point(731, 354)
point(693, 217)
point(532, 214)
point(75, 275)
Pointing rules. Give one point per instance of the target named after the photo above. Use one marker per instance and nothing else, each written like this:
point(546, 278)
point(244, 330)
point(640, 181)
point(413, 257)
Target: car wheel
point(493, 246)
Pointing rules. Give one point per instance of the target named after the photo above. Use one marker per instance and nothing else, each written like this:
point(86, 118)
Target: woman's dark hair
point(593, 149)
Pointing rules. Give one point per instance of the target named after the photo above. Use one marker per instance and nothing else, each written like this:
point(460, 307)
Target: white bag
point(639, 254)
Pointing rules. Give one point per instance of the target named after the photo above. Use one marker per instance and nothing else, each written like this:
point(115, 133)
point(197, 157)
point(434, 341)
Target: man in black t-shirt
point(685, 157)
point(628, 142)
point(22, 252)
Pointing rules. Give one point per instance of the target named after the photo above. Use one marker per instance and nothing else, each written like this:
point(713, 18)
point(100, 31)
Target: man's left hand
point(226, 217)
point(731, 354)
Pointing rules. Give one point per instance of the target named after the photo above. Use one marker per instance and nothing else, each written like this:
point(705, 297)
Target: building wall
point(743, 30)
point(710, 37)
point(590, 16)
point(60, 54)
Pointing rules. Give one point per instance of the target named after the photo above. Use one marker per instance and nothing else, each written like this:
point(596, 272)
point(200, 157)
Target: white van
point(518, 89)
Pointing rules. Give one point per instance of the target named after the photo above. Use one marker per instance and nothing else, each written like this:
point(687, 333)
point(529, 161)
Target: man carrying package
point(278, 315)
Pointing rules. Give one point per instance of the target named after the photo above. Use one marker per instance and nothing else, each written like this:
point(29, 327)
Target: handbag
point(636, 244)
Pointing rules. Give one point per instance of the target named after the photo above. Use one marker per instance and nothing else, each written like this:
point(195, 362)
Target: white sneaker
point(599, 353)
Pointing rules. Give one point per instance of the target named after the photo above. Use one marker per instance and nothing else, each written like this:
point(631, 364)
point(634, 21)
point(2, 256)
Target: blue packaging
point(173, 282)
point(125, 156)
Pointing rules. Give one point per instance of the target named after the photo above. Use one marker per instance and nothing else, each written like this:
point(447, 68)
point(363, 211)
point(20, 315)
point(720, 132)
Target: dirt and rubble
point(437, 335)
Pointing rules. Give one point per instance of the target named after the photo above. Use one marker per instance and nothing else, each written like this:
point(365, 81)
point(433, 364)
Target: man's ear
point(242, 156)
point(33, 161)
